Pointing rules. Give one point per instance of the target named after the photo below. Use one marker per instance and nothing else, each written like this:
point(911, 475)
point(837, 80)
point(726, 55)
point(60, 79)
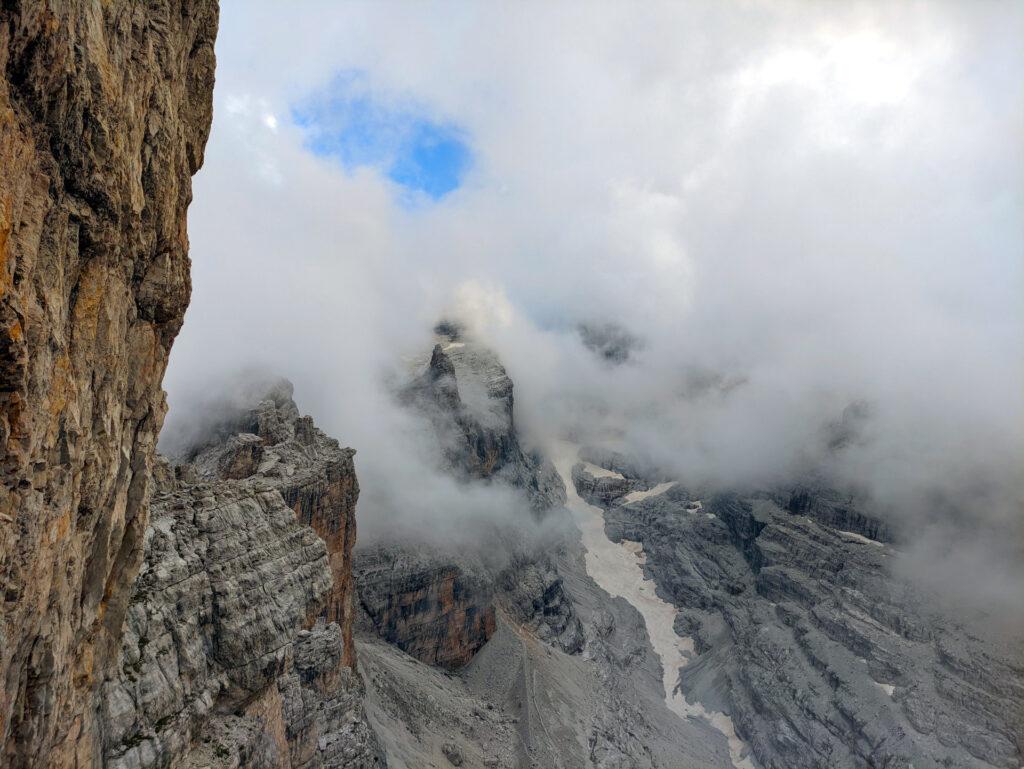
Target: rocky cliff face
point(436, 608)
point(467, 394)
point(834, 509)
point(315, 476)
point(238, 648)
point(439, 604)
point(104, 113)
point(807, 637)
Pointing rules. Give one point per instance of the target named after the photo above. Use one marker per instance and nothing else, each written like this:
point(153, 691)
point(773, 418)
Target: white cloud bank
point(822, 201)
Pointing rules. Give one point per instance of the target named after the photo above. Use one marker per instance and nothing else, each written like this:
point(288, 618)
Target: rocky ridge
point(467, 395)
point(512, 661)
point(238, 649)
point(821, 655)
point(105, 110)
point(315, 476)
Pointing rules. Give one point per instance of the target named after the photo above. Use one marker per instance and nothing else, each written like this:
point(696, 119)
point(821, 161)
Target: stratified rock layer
point(104, 113)
point(238, 646)
point(433, 606)
point(808, 639)
point(315, 476)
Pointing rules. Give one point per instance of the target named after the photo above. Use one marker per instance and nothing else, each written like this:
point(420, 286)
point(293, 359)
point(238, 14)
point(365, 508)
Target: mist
point(791, 207)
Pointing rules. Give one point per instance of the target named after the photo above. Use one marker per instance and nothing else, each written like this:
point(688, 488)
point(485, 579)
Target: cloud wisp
point(792, 207)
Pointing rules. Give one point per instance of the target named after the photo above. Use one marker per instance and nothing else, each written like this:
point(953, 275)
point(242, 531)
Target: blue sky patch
point(408, 145)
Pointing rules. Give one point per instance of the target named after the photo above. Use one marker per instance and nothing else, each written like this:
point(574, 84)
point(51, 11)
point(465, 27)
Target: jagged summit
point(238, 647)
point(439, 603)
point(467, 396)
point(611, 342)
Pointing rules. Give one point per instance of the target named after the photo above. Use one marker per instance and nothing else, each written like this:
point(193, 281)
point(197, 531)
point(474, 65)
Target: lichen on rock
point(105, 110)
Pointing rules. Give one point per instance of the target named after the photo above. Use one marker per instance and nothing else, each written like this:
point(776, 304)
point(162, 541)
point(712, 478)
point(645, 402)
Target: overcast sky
point(814, 202)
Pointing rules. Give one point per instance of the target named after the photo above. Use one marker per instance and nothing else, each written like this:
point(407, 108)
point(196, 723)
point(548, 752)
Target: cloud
point(813, 204)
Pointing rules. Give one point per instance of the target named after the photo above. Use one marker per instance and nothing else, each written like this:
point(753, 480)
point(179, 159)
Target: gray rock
point(803, 630)
point(452, 753)
point(534, 594)
point(606, 488)
point(237, 649)
point(270, 443)
point(466, 394)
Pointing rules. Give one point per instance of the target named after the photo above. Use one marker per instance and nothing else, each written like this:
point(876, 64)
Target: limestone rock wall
point(228, 575)
point(808, 636)
point(432, 606)
point(226, 660)
point(315, 476)
point(105, 109)
point(238, 646)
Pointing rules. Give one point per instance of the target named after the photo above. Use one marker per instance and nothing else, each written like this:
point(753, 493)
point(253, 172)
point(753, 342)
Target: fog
point(793, 206)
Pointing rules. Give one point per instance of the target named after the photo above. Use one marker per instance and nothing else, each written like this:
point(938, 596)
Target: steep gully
point(617, 569)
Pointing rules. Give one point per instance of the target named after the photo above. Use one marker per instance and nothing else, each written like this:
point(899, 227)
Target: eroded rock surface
point(467, 395)
point(238, 646)
point(821, 655)
point(314, 474)
point(104, 114)
point(435, 607)
point(438, 602)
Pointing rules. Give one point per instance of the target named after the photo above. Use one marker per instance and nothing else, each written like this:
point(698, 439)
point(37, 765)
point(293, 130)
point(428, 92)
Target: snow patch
point(637, 496)
point(601, 472)
point(618, 570)
point(855, 537)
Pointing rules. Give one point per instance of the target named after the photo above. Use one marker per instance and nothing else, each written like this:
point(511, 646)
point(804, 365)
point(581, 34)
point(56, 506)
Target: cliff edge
point(105, 109)
point(238, 650)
